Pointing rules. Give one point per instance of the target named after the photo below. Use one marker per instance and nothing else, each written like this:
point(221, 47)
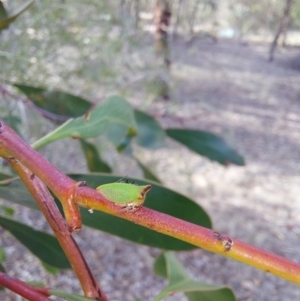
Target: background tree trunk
point(283, 25)
point(162, 18)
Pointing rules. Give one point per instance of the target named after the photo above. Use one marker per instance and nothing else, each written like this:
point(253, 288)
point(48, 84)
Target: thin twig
point(27, 291)
point(47, 205)
point(12, 145)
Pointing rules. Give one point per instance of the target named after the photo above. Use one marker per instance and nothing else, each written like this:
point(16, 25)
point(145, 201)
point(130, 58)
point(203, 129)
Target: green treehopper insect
point(129, 196)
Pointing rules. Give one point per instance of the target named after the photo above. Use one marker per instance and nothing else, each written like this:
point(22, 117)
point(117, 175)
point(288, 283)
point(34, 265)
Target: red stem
point(47, 205)
point(196, 235)
point(27, 291)
point(11, 145)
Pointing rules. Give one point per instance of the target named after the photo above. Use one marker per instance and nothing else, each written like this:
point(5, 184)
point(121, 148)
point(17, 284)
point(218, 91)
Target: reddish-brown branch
point(196, 235)
point(27, 291)
point(12, 146)
point(47, 205)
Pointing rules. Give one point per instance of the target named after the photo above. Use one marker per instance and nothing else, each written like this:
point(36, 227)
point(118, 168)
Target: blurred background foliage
point(97, 47)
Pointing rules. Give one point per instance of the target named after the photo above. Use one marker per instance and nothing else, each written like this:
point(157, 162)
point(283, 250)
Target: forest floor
point(232, 90)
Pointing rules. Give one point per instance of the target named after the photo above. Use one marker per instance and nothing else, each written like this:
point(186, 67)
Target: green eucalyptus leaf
point(6, 20)
point(125, 144)
point(50, 269)
point(41, 244)
point(167, 266)
point(207, 144)
point(2, 255)
point(148, 174)
point(120, 137)
point(16, 192)
point(3, 11)
point(150, 133)
point(92, 157)
point(69, 296)
point(36, 283)
point(5, 178)
point(55, 101)
point(115, 110)
point(2, 269)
